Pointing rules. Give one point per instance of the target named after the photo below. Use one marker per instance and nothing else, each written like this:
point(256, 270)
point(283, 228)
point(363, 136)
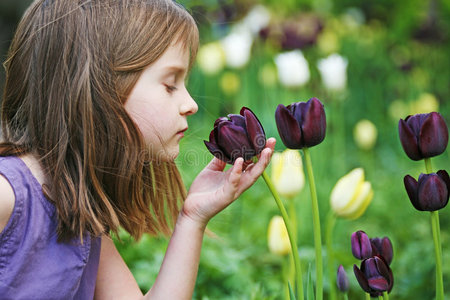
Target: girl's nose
point(189, 106)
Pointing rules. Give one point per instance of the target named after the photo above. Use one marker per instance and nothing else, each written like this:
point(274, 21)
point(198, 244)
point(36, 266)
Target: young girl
point(93, 110)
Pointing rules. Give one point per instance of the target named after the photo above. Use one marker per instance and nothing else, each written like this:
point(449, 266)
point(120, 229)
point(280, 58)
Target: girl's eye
point(170, 88)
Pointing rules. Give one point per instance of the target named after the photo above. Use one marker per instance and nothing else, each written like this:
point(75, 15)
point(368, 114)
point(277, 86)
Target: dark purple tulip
point(342, 279)
point(430, 193)
point(423, 135)
point(301, 124)
point(361, 247)
point(382, 247)
point(375, 276)
point(237, 136)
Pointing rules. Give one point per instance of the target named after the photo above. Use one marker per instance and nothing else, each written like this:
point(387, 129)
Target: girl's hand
point(214, 189)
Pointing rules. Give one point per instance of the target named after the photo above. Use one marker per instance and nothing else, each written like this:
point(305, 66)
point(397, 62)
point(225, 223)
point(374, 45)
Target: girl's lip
point(181, 132)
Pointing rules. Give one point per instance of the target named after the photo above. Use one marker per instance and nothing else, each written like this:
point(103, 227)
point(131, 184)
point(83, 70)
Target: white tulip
point(237, 46)
point(293, 68)
point(333, 71)
point(257, 18)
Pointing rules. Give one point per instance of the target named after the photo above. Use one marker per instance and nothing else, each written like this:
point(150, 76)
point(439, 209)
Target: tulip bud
point(374, 276)
point(277, 236)
point(423, 135)
point(351, 195)
point(431, 192)
point(365, 134)
point(382, 247)
point(361, 247)
point(342, 280)
point(237, 136)
point(301, 124)
point(287, 173)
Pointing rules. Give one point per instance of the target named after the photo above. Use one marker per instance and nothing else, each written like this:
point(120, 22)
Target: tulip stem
point(385, 296)
point(435, 227)
point(316, 225)
point(292, 238)
point(345, 296)
point(367, 296)
point(331, 220)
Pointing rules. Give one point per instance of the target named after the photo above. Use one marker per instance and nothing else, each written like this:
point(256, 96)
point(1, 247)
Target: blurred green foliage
point(398, 51)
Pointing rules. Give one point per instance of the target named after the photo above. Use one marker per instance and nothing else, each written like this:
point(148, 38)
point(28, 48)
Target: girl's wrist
point(185, 219)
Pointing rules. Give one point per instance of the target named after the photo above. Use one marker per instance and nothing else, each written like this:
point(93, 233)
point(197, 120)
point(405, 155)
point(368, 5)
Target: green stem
point(329, 226)
point(435, 227)
point(367, 296)
point(380, 297)
point(385, 296)
point(292, 239)
point(345, 296)
point(316, 225)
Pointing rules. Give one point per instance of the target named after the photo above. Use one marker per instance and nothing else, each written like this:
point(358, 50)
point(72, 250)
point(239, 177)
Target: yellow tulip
point(287, 173)
point(365, 134)
point(211, 58)
point(230, 83)
point(426, 103)
point(277, 237)
point(351, 195)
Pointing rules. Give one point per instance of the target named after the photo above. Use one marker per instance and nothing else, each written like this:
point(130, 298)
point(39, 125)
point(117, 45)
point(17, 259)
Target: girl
point(93, 110)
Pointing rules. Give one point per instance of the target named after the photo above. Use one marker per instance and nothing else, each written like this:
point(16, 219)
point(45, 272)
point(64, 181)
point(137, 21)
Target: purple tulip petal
point(361, 247)
point(444, 175)
point(234, 142)
point(378, 284)
point(411, 186)
point(386, 250)
point(362, 280)
point(217, 152)
point(382, 267)
point(288, 128)
point(409, 141)
point(433, 136)
point(237, 120)
point(255, 130)
point(342, 279)
point(432, 192)
point(314, 123)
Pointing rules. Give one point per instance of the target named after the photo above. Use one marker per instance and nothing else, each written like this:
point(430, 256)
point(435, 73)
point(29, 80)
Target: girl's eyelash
point(170, 88)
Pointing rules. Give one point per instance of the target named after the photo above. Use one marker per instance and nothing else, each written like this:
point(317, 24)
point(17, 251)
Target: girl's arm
point(211, 192)
point(7, 200)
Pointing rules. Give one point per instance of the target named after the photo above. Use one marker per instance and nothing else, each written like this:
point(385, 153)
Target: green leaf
point(291, 292)
point(310, 285)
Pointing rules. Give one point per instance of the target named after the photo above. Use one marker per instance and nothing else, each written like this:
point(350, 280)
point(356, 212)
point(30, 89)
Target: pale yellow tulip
point(277, 237)
point(287, 173)
point(365, 134)
point(211, 58)
point(351, 195)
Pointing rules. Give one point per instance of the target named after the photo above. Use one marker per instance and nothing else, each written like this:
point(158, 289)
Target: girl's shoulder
point(7, 199)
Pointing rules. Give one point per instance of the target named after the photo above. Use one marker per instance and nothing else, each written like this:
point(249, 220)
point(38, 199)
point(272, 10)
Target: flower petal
point(255, 131)
point(234, 142)
point(362, 280)
point(408, 141)
point(214, 149)
point(433, 136)
point(288, 128)
point(411, 186)
point(432, 192)
point(314, 123)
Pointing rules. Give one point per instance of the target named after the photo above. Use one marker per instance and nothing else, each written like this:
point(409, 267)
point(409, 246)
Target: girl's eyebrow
point(175, 70)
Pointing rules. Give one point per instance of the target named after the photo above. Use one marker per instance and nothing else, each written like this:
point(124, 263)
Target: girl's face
point(159, 103)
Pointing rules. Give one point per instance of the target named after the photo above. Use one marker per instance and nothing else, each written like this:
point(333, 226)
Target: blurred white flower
point(426, 103)
point(351, 195)
point(293, 68)
point(287, 173)
point(211, 58)
point(333, 71)
point(237, 46)
point(257, 18)
point(277, 237)
point(365, 134)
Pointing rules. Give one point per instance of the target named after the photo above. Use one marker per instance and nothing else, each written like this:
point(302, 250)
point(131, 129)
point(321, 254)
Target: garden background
point(398, 64)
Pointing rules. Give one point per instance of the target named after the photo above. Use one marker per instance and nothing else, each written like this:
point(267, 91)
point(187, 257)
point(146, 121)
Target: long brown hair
point(70, 69)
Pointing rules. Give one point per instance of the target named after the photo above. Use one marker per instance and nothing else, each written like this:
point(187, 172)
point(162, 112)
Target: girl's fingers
point(216, 165)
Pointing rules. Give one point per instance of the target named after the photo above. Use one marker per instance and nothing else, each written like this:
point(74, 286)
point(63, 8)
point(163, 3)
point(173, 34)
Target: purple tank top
point(33, 264)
